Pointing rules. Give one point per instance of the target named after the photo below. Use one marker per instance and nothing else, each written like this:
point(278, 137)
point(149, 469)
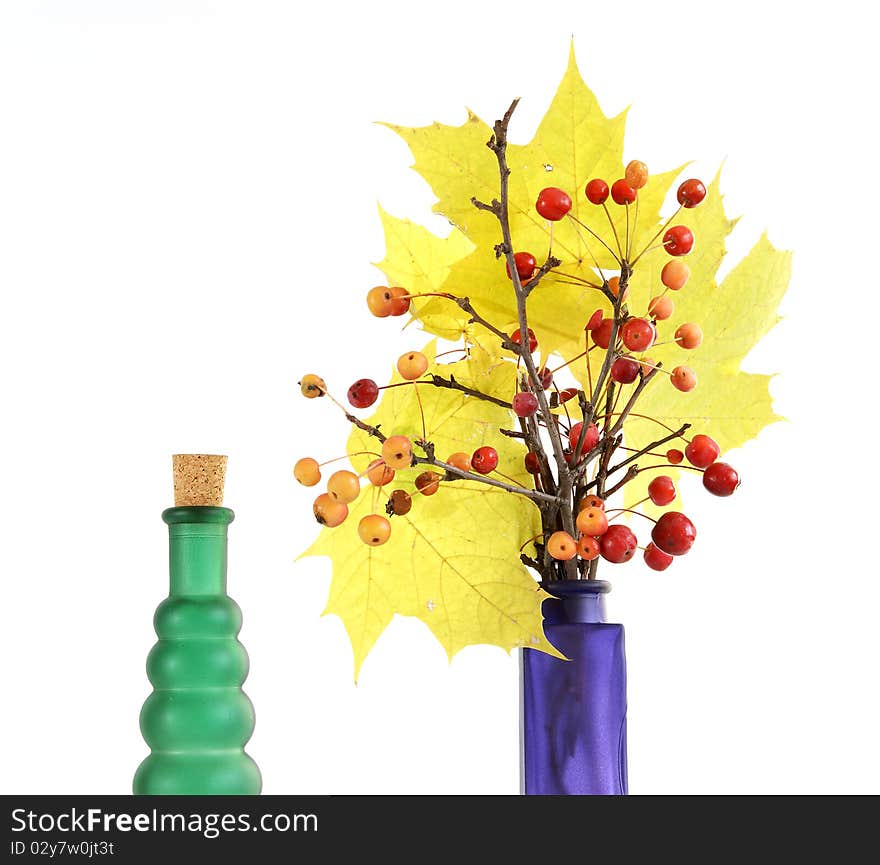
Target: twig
point(453, 384)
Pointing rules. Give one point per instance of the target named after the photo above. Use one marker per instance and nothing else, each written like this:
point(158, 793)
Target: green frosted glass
point(197, 720)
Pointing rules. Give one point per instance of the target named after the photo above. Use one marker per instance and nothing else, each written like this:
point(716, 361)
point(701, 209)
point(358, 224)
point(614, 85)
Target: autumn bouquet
point(590, 358)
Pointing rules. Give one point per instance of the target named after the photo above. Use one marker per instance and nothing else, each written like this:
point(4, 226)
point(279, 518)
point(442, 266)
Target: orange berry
point(312, 385)
point(328, 512)
point(561, 546)
point(675, 274)
point(411, 365)
point(397, 452)
point(460, 460)
point(661, 307)
point(614, 287)
point(647, 364)
point(636, 174)
point(591, 501)
point(689, 335)
point(380, 301)
point(427, 483)
point(592, 522)
point(344, 486)
point(399, 300)
point(307, 471)
point(684, 378)
point(379, 474)
point(587, 548)
point(374, 530)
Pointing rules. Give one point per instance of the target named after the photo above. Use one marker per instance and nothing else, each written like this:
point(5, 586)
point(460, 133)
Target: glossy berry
point(374, 530)
point(675, 274)
point(545, 377)
point(614, 287)
point(591, 437)
point(683, 378)
point(412, 365)
point(380, 301)
point(721, 479)
point(567, 393)
point(399, 503)
point(427, 483)
point(591, 501)
point(525, 404)
point(562, 546)
point(656, 559)
point(378, 474)
point(587, 548)
point(674, 533)
point(622, 192)
point(689, 335)
point(532, 463)
point(592, 522)
point(678, 240)
point(618, 544)
point(691, 193)
point(460, 460)
point(525, 265)
point(597, 191)
point(516, 337)
point(661, 490)
point(399, 300)
point(702, 451)
point(397, 452)
point(593, 322)
point(637, 334)
point(363, 393)
point(307, 471)
point(636, 174)
point(602, 334)
point(484, 460)
point(674, 456)
point(328, 512)
point(553, 203)
point(312, 385)
point(661, 307)
point(344, 486)
point(624, 370)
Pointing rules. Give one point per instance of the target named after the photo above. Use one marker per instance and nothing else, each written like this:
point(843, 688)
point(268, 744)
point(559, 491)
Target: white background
point(187, 219)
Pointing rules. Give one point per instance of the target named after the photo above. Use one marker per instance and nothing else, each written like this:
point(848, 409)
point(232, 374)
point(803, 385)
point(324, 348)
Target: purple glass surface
point(573, 713)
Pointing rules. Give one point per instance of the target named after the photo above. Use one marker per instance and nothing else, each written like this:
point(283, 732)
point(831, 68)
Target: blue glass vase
point(573, 713)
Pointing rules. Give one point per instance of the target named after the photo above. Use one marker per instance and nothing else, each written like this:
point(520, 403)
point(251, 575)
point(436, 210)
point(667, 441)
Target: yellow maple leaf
point(453, 561)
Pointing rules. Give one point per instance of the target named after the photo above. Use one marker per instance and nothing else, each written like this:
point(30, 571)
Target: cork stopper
point(198, 479)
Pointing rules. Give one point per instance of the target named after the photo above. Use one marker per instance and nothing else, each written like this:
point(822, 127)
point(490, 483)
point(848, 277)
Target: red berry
point(525, 404)
point(691, 193)
point(622, 192)
point(484, 460)
point(602, 334)
point(637, 334)
point(702, 451)
point(597, 191)
point(399, 300)
point(587, 548)
point(553, 203)
point(363, 393)
point(618, 544)
point(545, 377)
point(678, 240)
point(591, 437)
point(656, 559)
point(674, 533)
point(624, 370)
point(533, 465)
point(674, 456)
point(595, 321)
point(525, 265)
point(567, 394)
point(516, 337)
point(721, 479)
point(661, 490)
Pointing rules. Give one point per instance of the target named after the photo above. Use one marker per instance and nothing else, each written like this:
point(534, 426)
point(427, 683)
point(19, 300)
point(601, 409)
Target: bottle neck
point(575, 601)
point(197, 546)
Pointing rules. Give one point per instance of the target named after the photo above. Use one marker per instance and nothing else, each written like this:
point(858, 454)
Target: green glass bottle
point(198, 719)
